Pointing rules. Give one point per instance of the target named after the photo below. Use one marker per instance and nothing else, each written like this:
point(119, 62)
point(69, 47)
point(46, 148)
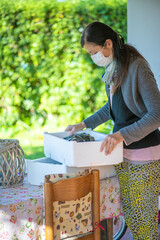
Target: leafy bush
point(43, 69)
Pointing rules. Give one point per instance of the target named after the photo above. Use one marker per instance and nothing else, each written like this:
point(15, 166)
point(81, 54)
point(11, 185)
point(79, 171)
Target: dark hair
point(98, 33)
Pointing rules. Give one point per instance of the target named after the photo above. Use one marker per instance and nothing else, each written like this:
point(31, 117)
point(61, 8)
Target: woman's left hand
point(110, 142)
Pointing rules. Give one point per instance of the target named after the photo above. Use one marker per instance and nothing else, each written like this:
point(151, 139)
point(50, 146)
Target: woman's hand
point(110, 142)
point(75, 128)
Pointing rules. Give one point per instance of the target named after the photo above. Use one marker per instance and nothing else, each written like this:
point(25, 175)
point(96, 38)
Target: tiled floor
point(128, 235)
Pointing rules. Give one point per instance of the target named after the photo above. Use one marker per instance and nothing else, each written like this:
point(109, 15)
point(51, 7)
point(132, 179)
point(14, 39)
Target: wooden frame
point(72, 189)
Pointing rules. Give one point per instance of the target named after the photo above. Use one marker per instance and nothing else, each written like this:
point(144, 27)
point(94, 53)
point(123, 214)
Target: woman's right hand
point(75, 128)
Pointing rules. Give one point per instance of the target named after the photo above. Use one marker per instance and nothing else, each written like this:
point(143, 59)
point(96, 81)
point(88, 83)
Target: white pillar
point(143, 27)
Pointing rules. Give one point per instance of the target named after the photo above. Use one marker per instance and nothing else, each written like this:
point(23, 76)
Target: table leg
point(110, 228)
point(104, 234)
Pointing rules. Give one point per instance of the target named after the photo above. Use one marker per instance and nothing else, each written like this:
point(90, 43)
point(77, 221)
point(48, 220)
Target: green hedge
point(43, 68)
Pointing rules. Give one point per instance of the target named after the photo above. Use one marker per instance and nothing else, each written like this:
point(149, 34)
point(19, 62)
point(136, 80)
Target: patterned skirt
point(139, 186)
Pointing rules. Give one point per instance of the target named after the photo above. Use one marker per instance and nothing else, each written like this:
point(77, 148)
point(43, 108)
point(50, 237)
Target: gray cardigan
point(142, 97)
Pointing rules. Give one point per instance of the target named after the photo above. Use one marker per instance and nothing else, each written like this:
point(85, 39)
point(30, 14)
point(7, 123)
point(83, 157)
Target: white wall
point(144, 31)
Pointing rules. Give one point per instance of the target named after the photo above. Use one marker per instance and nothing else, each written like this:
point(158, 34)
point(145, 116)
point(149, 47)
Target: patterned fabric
point(110, 201)
point(110, 73)
point(21, 212)
point(57, 177)
point(139, 185)
point(72, 217)
point(24, 192)
point(22, 220)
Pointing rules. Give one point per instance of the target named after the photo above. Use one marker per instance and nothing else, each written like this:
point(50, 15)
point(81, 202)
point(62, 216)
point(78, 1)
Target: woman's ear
point(108, 43)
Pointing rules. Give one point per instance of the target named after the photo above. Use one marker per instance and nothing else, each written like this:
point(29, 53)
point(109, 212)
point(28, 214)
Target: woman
point(134, 105)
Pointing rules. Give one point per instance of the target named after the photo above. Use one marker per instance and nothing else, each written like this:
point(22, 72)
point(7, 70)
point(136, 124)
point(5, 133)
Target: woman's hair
point(98, 33)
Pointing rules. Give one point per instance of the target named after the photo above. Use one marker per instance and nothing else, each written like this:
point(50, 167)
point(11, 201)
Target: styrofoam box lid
point(80, 154)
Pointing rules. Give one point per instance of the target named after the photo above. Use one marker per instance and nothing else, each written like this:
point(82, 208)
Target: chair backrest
point(72, 189)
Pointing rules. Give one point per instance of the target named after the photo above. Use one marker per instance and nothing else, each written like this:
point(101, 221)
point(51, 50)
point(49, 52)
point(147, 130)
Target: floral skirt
point(139, 186)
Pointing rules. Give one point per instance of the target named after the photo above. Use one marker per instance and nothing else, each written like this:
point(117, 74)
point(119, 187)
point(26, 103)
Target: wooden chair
point(72, 189)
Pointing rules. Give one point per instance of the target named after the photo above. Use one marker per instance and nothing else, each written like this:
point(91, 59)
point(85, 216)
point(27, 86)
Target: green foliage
point(43, 69)
point(33, 152)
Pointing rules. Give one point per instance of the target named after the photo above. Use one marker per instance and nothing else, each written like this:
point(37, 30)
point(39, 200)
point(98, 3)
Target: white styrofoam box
point(38, 168)
point(80, 154)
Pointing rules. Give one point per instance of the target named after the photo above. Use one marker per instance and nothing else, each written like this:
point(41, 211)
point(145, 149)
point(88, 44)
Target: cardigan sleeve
point(147, 94)
point(99, 117)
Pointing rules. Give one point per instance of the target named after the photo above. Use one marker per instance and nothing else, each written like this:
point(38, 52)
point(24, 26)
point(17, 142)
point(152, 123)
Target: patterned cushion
point(57, 177)
point(72, 217)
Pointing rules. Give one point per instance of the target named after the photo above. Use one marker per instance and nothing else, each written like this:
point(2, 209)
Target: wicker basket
point(12, 162)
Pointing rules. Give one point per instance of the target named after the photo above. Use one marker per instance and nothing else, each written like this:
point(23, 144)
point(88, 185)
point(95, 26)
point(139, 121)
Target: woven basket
point(12, 162)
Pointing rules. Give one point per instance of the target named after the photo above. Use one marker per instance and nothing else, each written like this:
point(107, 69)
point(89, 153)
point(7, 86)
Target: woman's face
point(93, 48)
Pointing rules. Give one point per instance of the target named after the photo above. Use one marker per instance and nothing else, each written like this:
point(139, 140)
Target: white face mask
point(100, 60)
